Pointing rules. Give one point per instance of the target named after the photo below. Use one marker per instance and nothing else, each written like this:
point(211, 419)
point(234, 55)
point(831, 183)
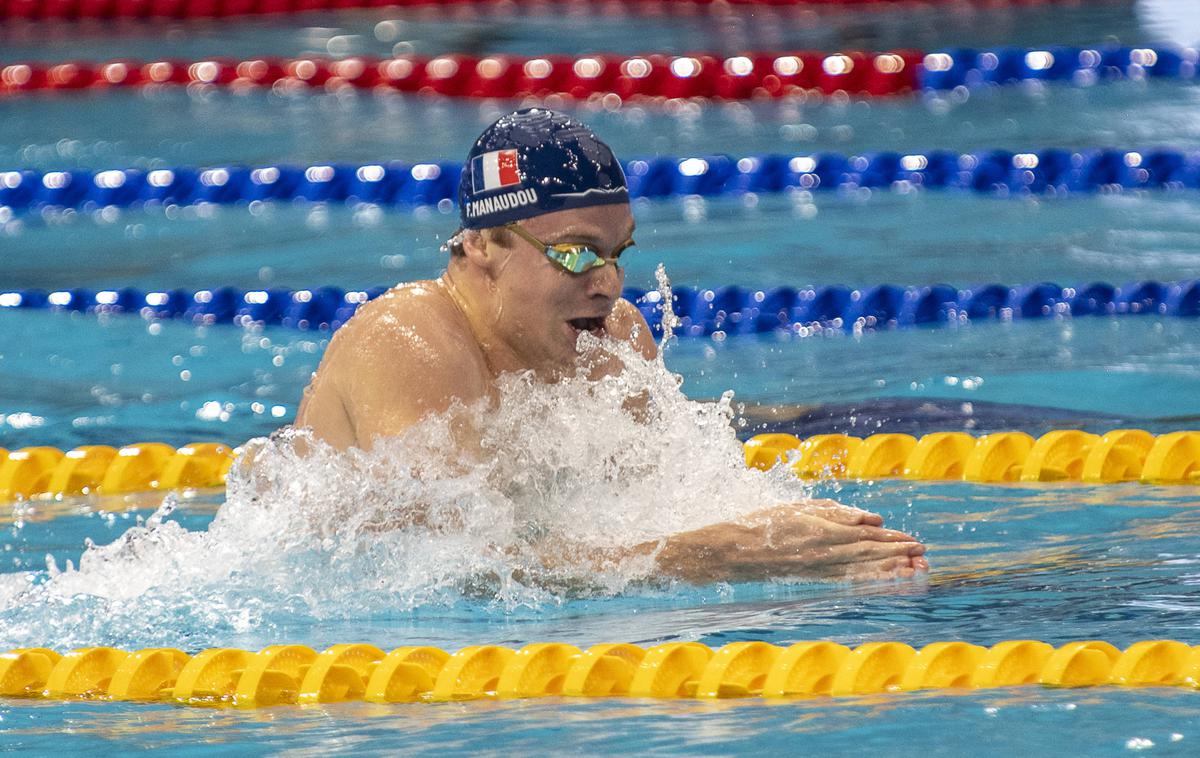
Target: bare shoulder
point(402, 356)
point(412, 325)
point(627, 323)
point(403, 312)
point(411, 342)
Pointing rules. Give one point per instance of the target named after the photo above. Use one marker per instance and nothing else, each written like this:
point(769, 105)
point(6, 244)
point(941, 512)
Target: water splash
point(308, 533)
point(666, 299)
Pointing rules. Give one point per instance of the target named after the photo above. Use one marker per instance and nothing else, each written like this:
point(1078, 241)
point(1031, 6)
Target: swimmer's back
point(404, 355)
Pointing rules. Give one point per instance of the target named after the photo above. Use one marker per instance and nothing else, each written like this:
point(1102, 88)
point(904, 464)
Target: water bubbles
point(214, 410)
point(393, 261)
point(670, 321)
point(21, 420)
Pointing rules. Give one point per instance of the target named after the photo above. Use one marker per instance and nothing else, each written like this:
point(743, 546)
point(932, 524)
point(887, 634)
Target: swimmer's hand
point(819, 539)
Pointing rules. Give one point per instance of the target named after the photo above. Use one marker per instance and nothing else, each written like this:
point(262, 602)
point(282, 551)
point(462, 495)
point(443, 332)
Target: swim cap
point(536, 161)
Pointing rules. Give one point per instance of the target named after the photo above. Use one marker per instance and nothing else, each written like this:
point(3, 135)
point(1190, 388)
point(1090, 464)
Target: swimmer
point(545, 220)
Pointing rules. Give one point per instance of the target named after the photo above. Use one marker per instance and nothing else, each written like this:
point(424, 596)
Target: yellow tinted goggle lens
point(568, 256)
point(580, 258)
point(575, 258)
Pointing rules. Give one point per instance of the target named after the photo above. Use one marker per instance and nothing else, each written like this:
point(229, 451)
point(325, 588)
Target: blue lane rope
point(726, 310)
point(957, 67)
point(996, 172)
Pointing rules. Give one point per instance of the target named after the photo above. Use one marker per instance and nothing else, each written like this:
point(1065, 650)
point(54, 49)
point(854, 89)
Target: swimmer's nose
point(606, 281)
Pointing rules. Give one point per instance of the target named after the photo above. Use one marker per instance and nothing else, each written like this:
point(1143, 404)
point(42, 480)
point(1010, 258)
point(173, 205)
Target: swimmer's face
point(544, 308)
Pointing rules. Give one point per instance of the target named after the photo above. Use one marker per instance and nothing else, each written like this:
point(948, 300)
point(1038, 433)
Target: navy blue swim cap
point(536, 161)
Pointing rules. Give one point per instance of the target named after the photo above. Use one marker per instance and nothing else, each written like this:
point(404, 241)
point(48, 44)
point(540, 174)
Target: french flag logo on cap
point(494, 170)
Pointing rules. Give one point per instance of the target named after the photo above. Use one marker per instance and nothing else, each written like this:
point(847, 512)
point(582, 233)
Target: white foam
point(575, 464)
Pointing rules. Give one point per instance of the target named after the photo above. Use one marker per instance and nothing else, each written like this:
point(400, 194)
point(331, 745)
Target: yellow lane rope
point(1122, 455)
point(297, 674)
point(46, 472)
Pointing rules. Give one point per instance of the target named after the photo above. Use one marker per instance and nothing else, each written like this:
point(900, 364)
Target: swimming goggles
point(570, 256)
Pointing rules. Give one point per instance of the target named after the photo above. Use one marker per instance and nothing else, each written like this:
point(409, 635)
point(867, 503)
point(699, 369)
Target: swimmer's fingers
point(802, 528)
point(880, 567)
point(880, 534)
point(891, 567)
point(816, 516)
point(898, 567)
point(842, 514)
point(833, 561)
point(870, 551)
point(840, 557)
point(840, 534)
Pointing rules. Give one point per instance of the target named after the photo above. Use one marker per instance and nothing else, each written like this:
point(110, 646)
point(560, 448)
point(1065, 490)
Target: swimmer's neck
point(480, 303)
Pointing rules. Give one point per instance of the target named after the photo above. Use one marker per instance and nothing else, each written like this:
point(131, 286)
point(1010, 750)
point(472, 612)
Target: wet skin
point(504, 307)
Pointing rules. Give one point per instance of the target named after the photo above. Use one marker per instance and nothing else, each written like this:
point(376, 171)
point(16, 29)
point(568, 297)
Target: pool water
point(1051, 562)
point(177, 383)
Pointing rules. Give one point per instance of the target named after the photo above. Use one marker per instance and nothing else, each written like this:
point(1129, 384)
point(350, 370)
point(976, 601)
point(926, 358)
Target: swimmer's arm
point(817, 539)
point(324, 413)
point(630, 325)
point(391, 400)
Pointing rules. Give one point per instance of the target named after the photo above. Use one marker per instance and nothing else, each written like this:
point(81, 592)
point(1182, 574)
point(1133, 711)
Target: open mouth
point(594, 324)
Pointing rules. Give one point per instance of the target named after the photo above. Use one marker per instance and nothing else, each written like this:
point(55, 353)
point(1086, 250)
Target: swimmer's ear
point(474, 246)
point(485, 248)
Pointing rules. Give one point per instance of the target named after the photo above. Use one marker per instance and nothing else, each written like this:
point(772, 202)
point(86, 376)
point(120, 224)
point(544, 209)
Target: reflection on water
point(1025, 721)
point(1054, 563)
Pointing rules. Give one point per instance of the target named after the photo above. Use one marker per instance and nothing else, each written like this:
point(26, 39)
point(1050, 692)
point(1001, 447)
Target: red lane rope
point(751, 75)
point(181, 9)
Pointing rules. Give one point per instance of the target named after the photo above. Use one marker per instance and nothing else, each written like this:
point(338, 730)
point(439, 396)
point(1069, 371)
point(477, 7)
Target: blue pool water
point(1114, 563)
point(1051, 562)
